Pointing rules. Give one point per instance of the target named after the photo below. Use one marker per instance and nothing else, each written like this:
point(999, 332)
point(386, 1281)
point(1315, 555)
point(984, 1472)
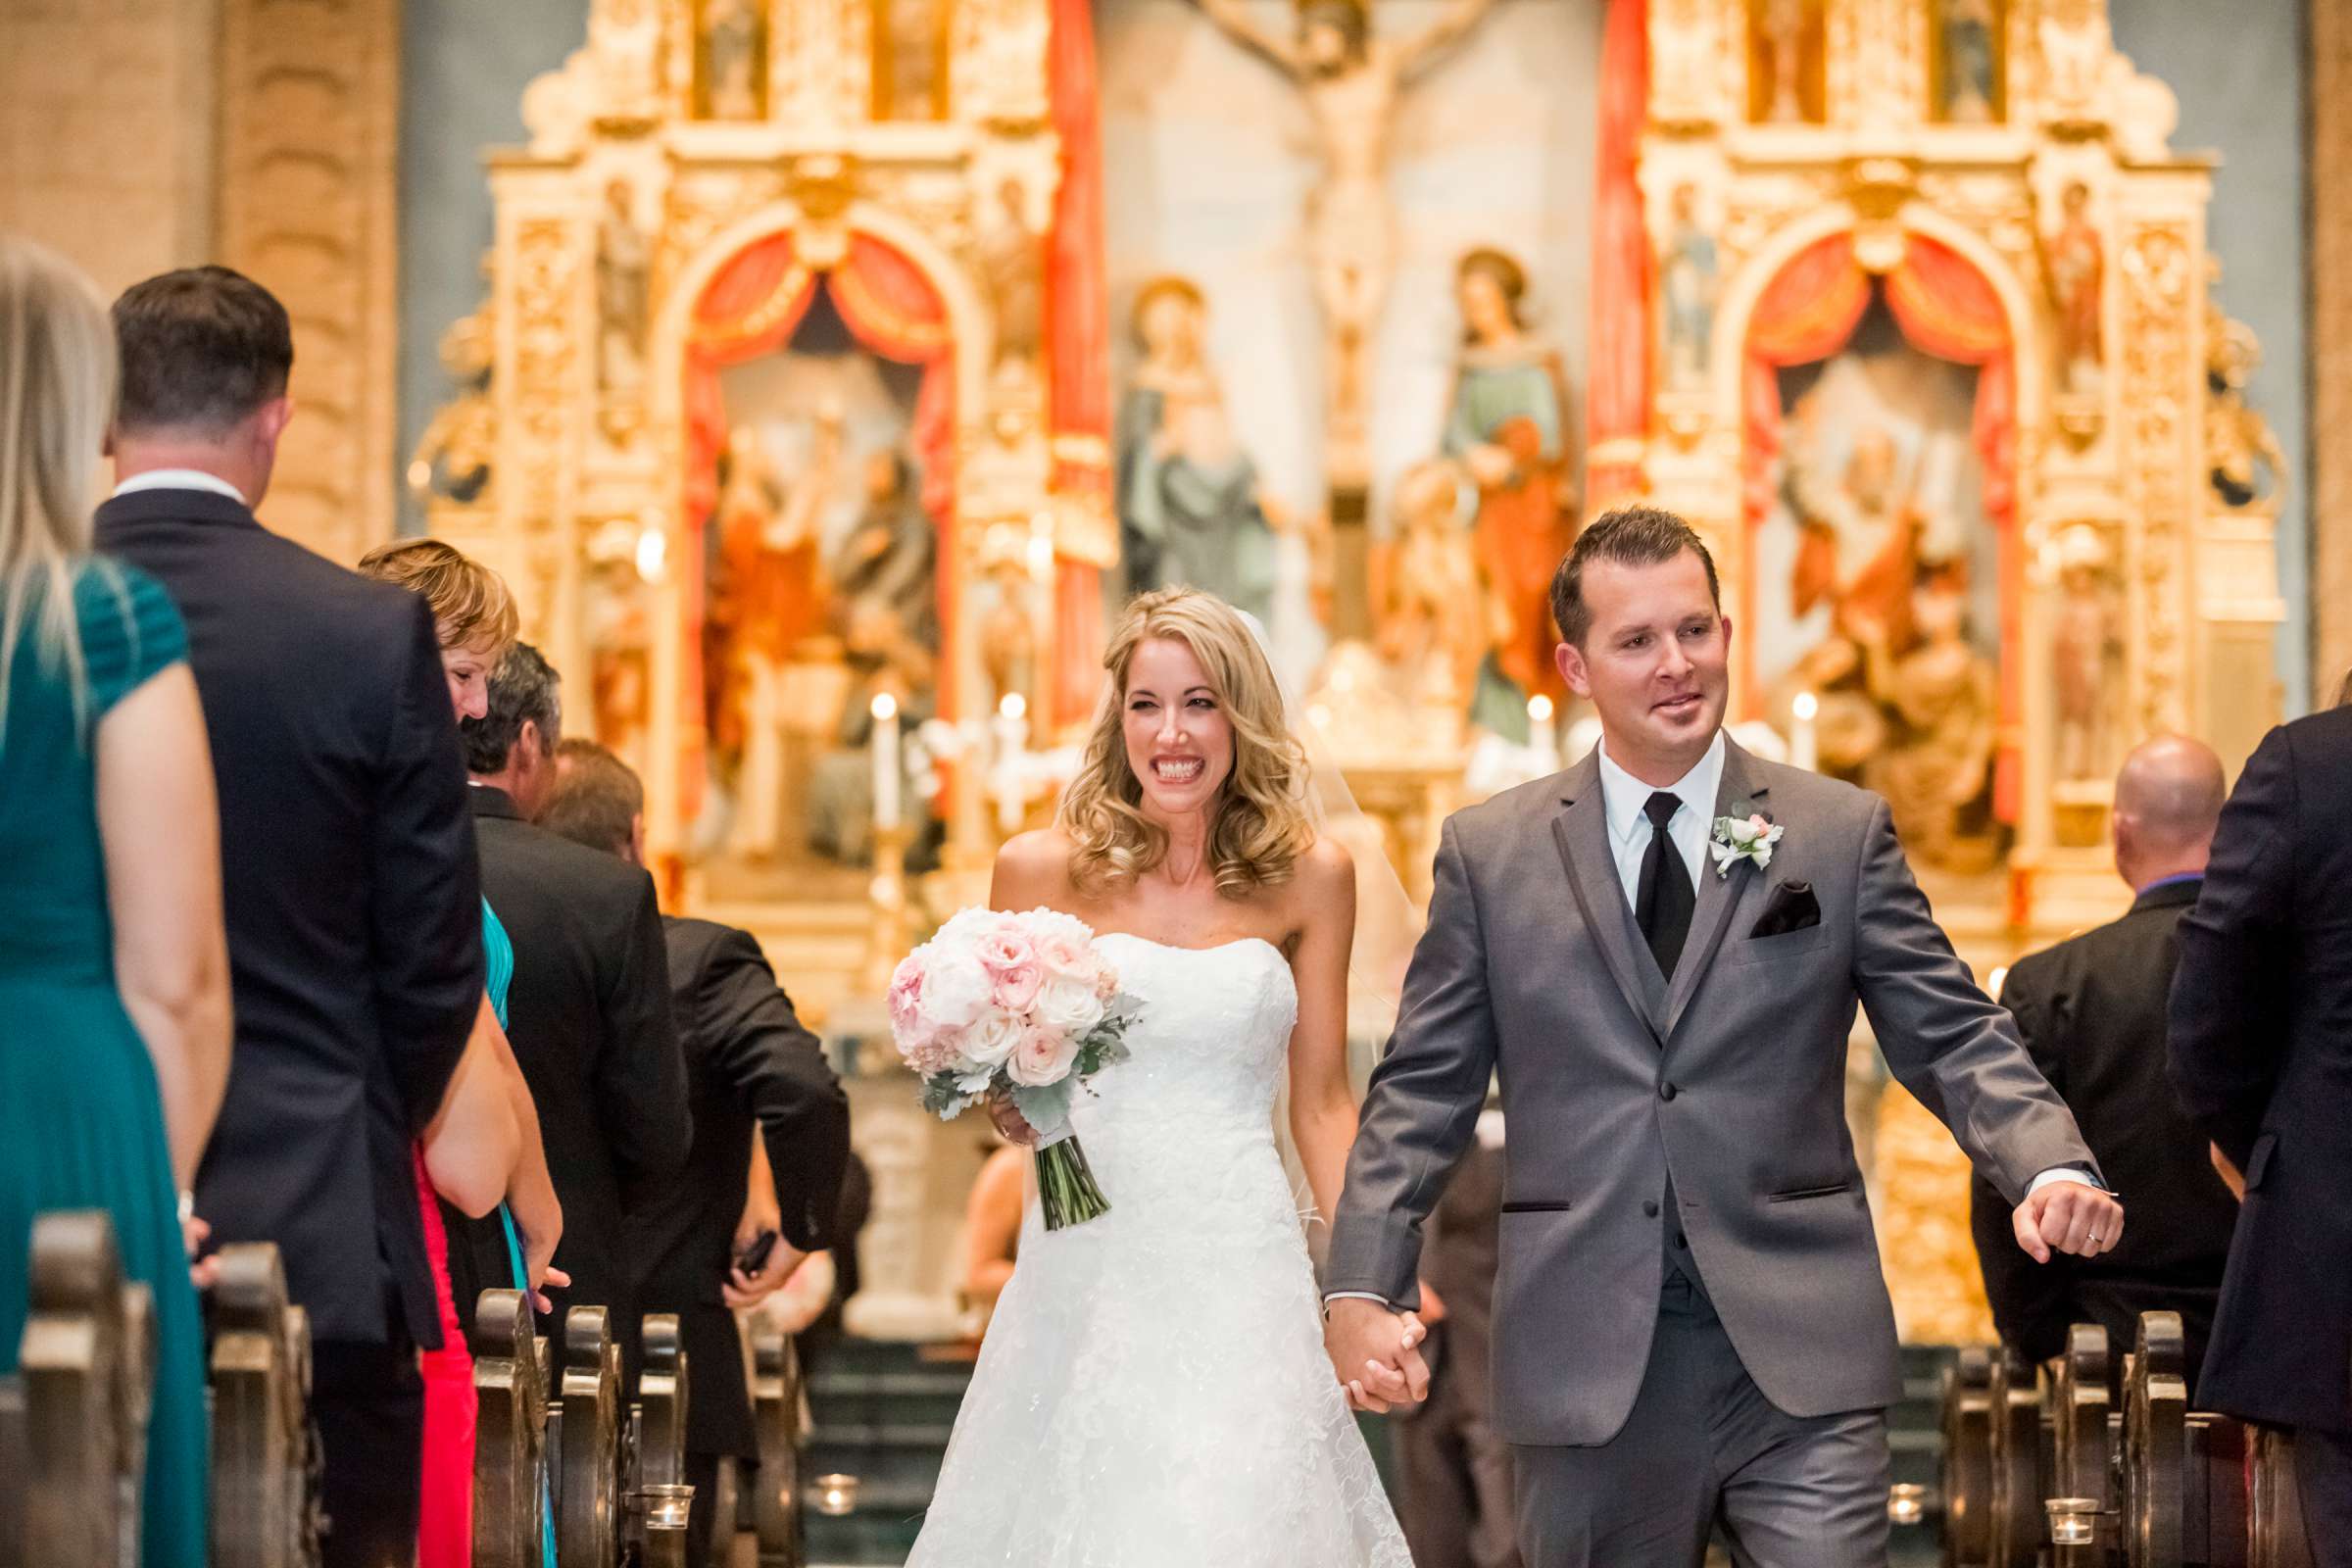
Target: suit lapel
point(1582, 832)
point(1718, 896)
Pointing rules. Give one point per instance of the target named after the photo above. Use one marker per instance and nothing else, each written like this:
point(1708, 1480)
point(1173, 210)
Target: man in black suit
point(589, 1009)
point(2092, 1013)
point(353, 901)
point(750, 1067)
point(2261, 1054)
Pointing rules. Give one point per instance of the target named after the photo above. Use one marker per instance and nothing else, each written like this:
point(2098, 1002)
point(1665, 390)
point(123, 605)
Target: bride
point(1153, 1388)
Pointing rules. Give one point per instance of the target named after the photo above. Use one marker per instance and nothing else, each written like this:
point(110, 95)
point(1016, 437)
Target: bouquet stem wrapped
point(1021, 1008)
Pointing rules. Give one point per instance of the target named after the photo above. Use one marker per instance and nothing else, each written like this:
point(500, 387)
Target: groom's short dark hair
point(1630, 536)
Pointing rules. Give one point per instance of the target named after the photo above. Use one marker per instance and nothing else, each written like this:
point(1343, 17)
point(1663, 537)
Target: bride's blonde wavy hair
point(1260, 824)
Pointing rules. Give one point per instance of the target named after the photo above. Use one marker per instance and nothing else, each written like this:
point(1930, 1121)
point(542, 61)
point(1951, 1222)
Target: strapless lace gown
point(1153, 1388)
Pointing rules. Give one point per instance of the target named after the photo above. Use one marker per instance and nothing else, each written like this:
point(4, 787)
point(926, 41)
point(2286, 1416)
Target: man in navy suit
point(347, 851)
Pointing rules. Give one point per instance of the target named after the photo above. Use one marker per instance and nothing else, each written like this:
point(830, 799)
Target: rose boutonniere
point(1745, 835)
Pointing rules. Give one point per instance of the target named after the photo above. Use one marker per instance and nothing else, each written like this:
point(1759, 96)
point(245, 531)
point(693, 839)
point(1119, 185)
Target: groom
point(1689, 1323)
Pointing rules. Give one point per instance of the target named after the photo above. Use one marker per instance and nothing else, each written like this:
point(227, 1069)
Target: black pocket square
point(1793, 907)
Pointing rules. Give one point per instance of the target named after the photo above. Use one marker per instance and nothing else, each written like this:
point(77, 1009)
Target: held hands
point(1376, 1354)
point(2067, 1216)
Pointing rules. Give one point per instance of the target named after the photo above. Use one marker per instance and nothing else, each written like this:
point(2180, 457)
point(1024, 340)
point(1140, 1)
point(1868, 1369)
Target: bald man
point(2092, 1013)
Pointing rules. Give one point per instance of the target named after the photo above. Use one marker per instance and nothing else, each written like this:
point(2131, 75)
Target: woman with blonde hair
point(1153, 1388)
point(482, 1151)
point(113, 962)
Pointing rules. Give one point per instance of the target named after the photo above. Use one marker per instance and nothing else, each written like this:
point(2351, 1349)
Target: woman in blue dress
point(115, 1014)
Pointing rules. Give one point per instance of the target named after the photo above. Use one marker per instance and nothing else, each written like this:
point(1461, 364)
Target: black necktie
point(1662, 907)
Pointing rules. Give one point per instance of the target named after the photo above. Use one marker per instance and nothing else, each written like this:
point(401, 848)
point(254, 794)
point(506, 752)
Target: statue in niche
point(453, 457)
point(909, 76)
point(1687, 279)
point(885, 612)
point(1351, 78)
point(734, 60)
point(1787, 44)
point(1966, 34)
point(1507, 427)
point(2074, 266)
point(2243, 458)
point(1947, 716)
point(1185, 492)
point(1013, 265)
point(624, 265)
point(1435, 615)
point(2086, 647)
point(1863, 545)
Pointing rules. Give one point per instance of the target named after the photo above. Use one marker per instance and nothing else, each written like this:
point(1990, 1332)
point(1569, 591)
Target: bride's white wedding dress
point(1153, 1388)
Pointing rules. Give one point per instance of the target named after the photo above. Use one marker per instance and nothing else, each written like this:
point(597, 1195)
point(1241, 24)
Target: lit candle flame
point(884, 706)
point(1539, 709)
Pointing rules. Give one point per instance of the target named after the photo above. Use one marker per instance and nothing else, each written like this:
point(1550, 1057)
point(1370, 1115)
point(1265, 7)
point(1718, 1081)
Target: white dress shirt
point(179, 480)
point(1626, 799)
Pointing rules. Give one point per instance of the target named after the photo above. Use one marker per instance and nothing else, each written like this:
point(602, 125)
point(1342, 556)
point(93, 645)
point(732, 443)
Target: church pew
point(585, 1427)
point(2085, 1428)
point(2020, 1436)
point(509, 1452)
point(73, 1416)
point(265, 1503)
point(776, 1504)
point(1966, 1473)
point(657, 1495)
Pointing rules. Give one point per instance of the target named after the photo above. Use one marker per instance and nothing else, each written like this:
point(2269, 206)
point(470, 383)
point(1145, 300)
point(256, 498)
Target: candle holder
point(2074, 1521)
point(1908, 1503)
point(885, 937)
point(835, 1497)
point(665, 1507)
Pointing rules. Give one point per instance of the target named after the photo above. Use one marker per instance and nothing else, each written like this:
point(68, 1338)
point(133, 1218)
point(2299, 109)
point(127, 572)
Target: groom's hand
point(1375, 1353)
point(2067, 1216)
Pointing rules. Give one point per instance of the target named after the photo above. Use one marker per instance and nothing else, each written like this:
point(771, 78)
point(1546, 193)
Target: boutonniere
point(1746, 834)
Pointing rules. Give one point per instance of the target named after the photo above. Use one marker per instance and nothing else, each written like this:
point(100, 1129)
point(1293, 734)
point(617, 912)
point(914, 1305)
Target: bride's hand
point(1010, 1123)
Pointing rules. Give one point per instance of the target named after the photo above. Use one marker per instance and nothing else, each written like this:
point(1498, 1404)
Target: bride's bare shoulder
point(1032, 868)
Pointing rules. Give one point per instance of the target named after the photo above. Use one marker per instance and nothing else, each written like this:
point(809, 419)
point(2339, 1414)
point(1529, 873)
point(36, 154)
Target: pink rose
point(1756, 824)
point(1017, 985)
point(1066, 957)
point(1106, 979)
point(1005, 948)
point(932, 1053)
point(907, 998)
point(1042, 1056)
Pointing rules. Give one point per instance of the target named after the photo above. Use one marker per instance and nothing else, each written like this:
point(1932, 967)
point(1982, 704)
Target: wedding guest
point(589, 1011)
point(751, 1067)
point(2261, 1056)
point(482, 1151)
point(2092, 1010)
point(113, 969)
point(1453, 1472)
point(992, 1231)
point(353, 898)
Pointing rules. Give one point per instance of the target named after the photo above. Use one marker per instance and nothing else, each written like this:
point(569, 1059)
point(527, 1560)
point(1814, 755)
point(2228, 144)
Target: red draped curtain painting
point(1946, 308)
point(1617, 403)
point(751, 308)
point(1078, 366)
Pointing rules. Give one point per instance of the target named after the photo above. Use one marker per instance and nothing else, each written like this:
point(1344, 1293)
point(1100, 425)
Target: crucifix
point(1351, 78)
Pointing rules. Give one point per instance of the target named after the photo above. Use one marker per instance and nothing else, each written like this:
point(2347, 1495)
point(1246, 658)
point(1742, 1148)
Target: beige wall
point(107, 140)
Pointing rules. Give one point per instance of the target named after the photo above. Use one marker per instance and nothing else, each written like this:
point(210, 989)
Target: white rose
point(1067, 1006)
point(954, 990)
point(992, 1037)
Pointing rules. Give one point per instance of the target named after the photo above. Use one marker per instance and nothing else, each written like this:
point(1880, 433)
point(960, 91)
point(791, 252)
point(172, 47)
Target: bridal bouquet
point(1023, 1005)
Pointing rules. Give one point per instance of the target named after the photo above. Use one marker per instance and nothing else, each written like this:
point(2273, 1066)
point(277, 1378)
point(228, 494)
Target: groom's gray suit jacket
point(1731, 1081)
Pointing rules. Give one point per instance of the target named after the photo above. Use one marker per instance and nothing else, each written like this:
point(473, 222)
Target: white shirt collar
point(179, 480)
point(1624, 796)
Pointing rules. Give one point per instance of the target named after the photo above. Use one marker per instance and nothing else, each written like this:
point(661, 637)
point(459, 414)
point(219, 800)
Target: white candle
point(886, 760)
point(1802, 751)
point(1541, 739)
point(1012, 740)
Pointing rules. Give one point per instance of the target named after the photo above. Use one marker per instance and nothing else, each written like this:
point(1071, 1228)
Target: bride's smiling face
point(1179, 735)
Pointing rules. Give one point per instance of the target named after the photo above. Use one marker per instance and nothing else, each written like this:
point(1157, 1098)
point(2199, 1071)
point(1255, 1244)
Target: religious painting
point(1690, 277)
point(819, 581)
point(1967, 61)
point(910, 40)
point(1788, 83)
point(730, 60)
point(1876, 586)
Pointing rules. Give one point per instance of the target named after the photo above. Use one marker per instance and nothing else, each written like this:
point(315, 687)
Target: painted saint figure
point(1688, 277)
point(1966, 96)
point(1187, 494)
point(1351, 78)
point(1508, 427)
point(624, 263)
point(2073, 261)
point(734, 65)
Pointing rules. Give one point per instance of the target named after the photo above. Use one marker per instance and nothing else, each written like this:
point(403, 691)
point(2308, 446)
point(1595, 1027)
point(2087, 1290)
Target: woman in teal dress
point(113, 967)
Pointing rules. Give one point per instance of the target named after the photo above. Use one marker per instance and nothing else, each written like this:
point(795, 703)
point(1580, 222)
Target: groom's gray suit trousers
point(1704, 1446)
